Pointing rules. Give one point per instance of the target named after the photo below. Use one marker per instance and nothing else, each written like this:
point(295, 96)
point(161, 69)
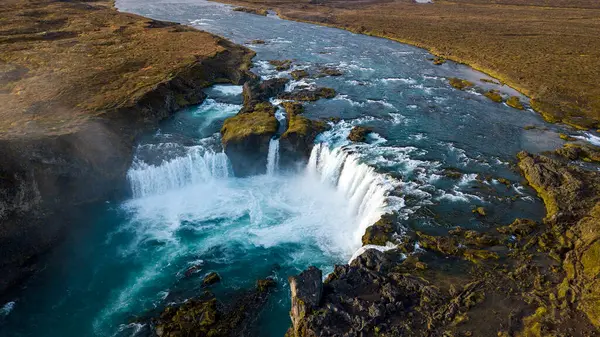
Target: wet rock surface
point(207, 316)
point(359, 134)
point(297, 141)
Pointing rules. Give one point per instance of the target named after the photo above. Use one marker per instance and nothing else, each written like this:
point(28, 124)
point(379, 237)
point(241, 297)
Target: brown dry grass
point(62, 62)
point(547, 49)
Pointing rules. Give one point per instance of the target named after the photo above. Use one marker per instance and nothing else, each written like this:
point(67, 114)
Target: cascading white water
point(366, 190)
point(273, 157)
point(198, 165)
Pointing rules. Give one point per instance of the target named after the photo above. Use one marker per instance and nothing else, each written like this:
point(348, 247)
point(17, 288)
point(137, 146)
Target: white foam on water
point(7, 308)
point(466, 179)
point(588, 137)
point(354, 66)
point(211, 110)
point(383, 103)
point(232, 90)
point(202, 22)
point(397, 80)
point(398, 118)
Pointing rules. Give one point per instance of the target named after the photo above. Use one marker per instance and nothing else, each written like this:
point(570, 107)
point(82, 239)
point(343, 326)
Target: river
point(188, 210)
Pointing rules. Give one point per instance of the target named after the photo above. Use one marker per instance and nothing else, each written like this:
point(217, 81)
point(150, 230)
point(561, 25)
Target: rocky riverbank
point(514, 47)
point(79, 82)
point(524, 279)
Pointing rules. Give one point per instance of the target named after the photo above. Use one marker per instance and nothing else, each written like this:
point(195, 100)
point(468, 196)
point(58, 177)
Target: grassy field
point(62, 62)
point(547, 49)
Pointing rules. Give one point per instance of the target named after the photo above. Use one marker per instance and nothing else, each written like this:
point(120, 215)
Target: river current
point(188, 210)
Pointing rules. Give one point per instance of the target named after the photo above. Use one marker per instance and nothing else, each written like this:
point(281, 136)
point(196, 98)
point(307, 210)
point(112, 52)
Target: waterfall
point(198, 165)
point(273, 157)
point(366, 190)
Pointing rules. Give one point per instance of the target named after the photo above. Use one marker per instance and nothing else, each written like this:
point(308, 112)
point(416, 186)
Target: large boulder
point(297, 141)
point(306, 290)
point(256, 92)
point(206, 316)
point(246, 137)
point(359, 134)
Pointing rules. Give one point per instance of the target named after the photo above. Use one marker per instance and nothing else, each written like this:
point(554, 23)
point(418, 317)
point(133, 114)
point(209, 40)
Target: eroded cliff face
point(526, 279)
point(73, 145)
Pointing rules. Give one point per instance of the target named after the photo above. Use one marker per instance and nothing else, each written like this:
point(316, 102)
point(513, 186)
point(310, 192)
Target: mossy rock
point(211, 279)
point(359, 134)
point(529, 127)
point(328, 71)
point(460, 243)
point(452, 174)
point(515, 102)
point(293, 108)
point(460, 84)
point(566, 137)
point(505, 182)
point(281, 65)
point(380, 233)
point(260, 122)
point(494, 95)
point(479, 211)
point(258, 42)
point(438, 60)
point(256, 11)
point(519, 228)
point(265, 284)
point(299, 74)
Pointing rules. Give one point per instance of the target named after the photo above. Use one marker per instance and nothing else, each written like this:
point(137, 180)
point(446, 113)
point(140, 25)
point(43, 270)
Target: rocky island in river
point(270, 177)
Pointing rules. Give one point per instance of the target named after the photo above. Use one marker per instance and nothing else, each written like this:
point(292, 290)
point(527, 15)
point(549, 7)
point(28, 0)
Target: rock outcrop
point(256, 92)
point(525, 279)
point(572, 198)
point(69, 127)
point(246, 138)
point(206, 316)
point(359, 134)
point(297, 141)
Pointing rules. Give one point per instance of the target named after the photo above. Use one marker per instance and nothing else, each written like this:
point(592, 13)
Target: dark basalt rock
point(211, 279)
point(297, 141)
point(281, 65)
point(255, 92)
point(246, 137)
point(306, 291)
point(381, 232)
point(206, 316)
point(299, 74)
point(327, 71)
point(359, 134)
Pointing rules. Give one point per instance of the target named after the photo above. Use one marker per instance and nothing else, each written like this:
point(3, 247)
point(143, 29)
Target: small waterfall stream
point(273, 157)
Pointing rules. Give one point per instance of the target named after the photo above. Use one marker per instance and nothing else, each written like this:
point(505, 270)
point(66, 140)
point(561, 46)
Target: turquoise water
point(125, 259)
